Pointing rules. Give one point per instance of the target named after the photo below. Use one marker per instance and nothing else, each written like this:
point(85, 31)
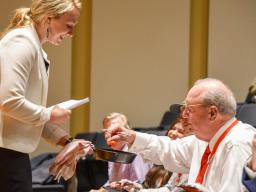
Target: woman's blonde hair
point(38, 10)
point(116, 115)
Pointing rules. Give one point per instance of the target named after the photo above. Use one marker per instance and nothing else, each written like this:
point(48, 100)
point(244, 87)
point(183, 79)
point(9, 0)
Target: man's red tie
point(204, 165)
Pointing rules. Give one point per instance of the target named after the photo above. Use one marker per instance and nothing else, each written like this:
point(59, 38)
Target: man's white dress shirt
point(184, 156)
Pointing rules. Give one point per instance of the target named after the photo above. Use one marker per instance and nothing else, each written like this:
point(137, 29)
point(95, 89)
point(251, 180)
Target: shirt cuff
point(53, 133)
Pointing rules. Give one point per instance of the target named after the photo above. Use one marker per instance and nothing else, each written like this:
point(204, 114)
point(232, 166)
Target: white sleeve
point(53, 133)
point(174, 155)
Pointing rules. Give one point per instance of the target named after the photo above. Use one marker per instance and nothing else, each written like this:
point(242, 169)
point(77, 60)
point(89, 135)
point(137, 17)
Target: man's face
point(196, 113)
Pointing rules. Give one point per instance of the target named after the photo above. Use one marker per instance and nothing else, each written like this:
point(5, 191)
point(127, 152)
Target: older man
point(215, 156)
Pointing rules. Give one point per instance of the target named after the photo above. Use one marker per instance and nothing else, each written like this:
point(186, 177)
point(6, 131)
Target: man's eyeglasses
point(188, 108)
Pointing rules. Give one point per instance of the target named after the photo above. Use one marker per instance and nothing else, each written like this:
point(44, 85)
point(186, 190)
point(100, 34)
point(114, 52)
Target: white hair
point(218, 94)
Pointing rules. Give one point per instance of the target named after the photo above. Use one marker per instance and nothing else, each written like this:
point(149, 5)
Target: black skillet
point(114, 155)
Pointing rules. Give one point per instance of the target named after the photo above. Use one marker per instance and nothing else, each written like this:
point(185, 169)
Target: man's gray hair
point(218, 94)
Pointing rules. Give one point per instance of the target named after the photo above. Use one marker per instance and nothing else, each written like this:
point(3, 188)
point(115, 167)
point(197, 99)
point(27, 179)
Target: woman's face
point(180, 129)
point(63, 26)
point(176, 131)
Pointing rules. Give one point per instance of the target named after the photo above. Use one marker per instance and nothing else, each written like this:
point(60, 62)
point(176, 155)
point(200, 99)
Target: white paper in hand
point(71, 104)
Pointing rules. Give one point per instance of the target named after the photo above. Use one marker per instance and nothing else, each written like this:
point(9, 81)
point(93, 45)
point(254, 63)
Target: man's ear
point(213, 111)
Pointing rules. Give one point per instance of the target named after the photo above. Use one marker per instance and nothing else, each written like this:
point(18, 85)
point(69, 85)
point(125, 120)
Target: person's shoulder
point(243, 129)
point(25, 35)
point(22, 31)
point(241, 134)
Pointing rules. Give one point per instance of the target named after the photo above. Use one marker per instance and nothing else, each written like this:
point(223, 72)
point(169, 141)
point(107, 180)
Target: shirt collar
point(219, 132)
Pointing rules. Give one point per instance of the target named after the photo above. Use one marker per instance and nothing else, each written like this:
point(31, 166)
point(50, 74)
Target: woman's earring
point(47, 33)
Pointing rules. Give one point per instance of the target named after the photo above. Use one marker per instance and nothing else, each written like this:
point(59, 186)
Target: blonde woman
point(24, 85)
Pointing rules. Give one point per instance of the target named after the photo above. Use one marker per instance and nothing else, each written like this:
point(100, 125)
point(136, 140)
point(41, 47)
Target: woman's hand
point(65, 162)
point(76, 148)
point(59, 116)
